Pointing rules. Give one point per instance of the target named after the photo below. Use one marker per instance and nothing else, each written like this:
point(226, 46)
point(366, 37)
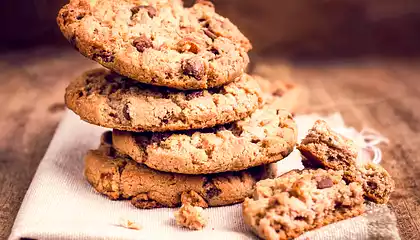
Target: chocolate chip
point(212, 192)
point(211, 189)
point(194, 67)
point(279, 92)
point(142, 42)
point(159, 137)
point(210, 34)
point(104, 56)
point(79, 17)
point(126, 112)
point(194, 94)
point(372, 185)
point(151, 11)
point(325, 182)
point(214, 51)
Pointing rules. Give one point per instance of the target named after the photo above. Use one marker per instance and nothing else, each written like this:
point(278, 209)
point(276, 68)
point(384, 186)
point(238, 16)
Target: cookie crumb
point(190, 217)
point(126, 223)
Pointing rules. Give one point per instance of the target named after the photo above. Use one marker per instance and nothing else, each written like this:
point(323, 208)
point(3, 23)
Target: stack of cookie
point(188, 124)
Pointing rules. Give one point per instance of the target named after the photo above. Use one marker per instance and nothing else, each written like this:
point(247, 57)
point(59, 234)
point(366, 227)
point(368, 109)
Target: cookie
point(267, 136)
point(324, 148)
point(107, 99)
point(299, 201)
point(158, 42)
point(119, 177)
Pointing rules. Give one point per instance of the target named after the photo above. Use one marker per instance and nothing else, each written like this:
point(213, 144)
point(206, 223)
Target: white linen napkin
point(60, 204)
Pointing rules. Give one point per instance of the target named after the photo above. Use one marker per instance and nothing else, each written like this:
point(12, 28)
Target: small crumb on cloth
point(190, 217)
point(129, 224)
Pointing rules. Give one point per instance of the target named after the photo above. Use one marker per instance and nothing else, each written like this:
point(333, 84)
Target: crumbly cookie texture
point(324, 148)
point(110, 100)
point(119, 177)
point(267, 136)
point(299, 201)
point(327, 148)
point(157, 42)
point(190, 217)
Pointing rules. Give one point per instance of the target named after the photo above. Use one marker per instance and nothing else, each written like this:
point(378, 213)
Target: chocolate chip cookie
point(267, 136)
point(299, 201)
point(107, 99)
point(324, 148)
point(158, 42)
point(119, 177)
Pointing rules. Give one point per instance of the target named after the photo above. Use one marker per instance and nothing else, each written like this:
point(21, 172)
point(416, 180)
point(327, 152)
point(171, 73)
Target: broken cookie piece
point(376, 182)
point(324, 148)
point(300, 201)
point(190, 217)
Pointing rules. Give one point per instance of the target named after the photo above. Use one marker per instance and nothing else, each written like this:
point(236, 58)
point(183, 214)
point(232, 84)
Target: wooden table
point(381, 94)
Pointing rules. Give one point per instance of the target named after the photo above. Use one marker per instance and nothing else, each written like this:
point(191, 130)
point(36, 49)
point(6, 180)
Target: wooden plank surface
point(381, 94)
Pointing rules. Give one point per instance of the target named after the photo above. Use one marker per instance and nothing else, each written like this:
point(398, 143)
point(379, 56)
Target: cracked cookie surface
point(158, 42)
point(267, 136)
point(298, 201)
point(119, 177)
point(107, 99)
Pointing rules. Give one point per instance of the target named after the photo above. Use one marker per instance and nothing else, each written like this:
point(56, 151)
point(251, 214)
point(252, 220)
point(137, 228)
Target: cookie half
point(299, 201)
point(267, 136)
point(107, 99)
point(119, 177)
point(158, 42)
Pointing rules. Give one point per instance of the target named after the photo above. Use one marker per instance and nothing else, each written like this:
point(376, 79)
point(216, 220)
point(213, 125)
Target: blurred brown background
point(301, 28)
point(357, 57)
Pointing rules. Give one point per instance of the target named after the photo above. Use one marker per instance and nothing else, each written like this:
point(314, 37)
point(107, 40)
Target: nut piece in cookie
point(194, 199)
point(190, 217)
point(324, 148)
point(300, 201)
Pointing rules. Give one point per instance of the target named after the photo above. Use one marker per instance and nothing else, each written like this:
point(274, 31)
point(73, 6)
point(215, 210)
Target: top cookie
point(158, 41)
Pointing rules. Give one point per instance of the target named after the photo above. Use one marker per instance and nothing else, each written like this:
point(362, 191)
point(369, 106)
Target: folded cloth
point(60, 204)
